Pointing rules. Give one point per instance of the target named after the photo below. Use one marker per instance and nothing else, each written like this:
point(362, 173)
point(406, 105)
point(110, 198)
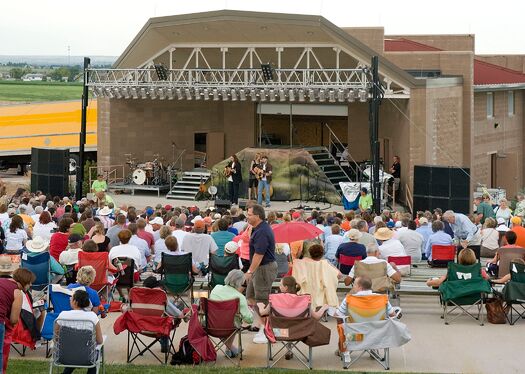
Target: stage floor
point(138, 187)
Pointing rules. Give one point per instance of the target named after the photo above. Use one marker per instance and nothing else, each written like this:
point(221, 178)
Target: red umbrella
point(288, 232)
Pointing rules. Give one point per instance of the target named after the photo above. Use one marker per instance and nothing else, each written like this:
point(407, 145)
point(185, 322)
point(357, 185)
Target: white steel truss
point(241, 77)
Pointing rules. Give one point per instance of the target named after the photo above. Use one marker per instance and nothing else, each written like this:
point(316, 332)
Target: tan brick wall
point(373, 37)
point(506, 139)
point(147, 127)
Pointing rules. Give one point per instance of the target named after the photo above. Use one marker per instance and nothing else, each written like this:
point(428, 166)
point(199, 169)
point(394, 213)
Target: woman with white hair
point(503, 211)
point(232, 289)
point(85, 277)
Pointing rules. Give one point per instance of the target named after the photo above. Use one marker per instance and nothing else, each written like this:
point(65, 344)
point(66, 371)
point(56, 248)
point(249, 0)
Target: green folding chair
point(514, 293)
point(219, 267)
point(463, 290)
point(177, 277)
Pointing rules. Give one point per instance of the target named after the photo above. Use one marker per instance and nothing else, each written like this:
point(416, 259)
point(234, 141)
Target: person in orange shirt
point(519, 230)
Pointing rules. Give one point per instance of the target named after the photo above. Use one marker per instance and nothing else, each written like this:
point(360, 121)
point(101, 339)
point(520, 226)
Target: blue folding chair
point(48, 332)
point(40, 265)
point(60, 298)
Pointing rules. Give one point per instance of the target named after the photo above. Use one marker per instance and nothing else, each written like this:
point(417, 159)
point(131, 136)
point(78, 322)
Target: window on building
point(510, 103)
point(490, 104)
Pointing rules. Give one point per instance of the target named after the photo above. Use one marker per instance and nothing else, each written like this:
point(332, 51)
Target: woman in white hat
point(391, 247)
point(39, 245)
point(103, 216)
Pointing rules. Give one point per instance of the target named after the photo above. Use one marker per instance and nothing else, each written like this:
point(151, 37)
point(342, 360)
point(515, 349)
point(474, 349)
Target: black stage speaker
point(441, 187)
point(50, 171)
point(222, 204)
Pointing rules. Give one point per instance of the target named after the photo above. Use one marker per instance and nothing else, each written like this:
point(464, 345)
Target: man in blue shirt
point(222, 236)
point(463, 228)
point(352, 248)
point(425, 230)
point(439, 237)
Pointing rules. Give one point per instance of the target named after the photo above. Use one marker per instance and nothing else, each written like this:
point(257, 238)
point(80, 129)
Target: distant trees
point(18, 73)
point(70, 72)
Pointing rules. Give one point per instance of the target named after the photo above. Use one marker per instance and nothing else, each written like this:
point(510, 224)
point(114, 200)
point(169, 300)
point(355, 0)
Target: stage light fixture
point(331, 96)
point(224, 94)
point(109, 93)
point(282, 95)
point(262, 95)
point(301, 95)
point(272, 94)
point(322, 95)
point(253, 95)
point(234, 95)
point(363, 96)
point(134, 93)
point(267, 72)
point(169, 94)
point(206, 94)
point(197, 94)
point(152, 93)
point(242, 95)
point(215, 94)
point(340, 95)
point(125, 92)
point(117, 93)
point(143, 93)
point(351, 95)
point(162, 93)
point(187, 92)
point(311, 94)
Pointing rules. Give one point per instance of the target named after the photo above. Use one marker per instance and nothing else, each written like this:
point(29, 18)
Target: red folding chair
point(146, 317)
point(102, 265)
point(442, 255)
point(402, 261)
point(221, 321)
point(348, 260)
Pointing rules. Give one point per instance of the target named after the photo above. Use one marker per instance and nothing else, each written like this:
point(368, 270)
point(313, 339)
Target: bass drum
point(139, 176)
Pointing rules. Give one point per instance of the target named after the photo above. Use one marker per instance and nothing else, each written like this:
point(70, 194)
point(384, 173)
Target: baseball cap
point(501, 221)
point(296, 215)
point(390, 224)
point(423, 220)
point(231, 247)
point(200, 224)
point(515, 220)
point(157, 221)
point(168, 207)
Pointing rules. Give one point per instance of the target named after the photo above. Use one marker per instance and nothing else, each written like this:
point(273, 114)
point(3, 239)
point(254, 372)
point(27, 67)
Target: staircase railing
point(339, 145)
point(408, 198)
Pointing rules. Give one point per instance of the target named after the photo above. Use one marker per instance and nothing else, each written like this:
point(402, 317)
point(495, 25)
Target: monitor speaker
point(222, 204)
point(242, 204)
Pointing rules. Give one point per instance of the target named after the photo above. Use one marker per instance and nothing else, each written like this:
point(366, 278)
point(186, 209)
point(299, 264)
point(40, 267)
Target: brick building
point(443, 104)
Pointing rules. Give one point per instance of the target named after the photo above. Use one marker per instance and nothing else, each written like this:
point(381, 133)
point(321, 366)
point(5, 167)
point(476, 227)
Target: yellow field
point(46, 125)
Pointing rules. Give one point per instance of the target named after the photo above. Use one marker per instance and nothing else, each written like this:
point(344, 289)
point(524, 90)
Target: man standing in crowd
point(263, 267)
point(463, 228)
point(395, 170)
point(483, 208)
point(199, 243)
point(234, 178)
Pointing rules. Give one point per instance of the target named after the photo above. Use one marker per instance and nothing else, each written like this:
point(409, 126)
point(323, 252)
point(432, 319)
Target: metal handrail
point(110, 172)
point(332, 134)
point(408, 198)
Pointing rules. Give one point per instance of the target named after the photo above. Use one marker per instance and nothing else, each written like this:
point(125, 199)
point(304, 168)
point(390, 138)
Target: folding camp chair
point(75, 346)
point(40, 265)
point(219, 267)
point(126, 278)
point(514, 293)
point(176, 275)
point(442, 255)
point(401, 261)
point(60, 298)
point(381, 282)
point(366, 329)
point(506, 255)
point(150, 304)
point(289, 322)
point(464, 289)
point(348, 261)
point(101, 264)
point(221, 321)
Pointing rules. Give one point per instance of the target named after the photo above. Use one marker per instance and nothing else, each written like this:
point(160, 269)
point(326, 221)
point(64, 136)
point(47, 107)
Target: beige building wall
point(504, 142)
point(147, 127)
point(373, 37)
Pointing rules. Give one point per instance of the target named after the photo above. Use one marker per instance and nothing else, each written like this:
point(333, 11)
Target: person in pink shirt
point(243, 239)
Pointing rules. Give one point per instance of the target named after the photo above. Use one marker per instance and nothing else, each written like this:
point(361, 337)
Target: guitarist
point(265, 179)
point(234, 175)
point(252, 188)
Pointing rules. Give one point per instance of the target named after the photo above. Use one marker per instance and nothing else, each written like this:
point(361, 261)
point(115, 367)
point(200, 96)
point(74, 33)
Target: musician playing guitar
point(264, 171)
point(233, 173)
point(254, 180)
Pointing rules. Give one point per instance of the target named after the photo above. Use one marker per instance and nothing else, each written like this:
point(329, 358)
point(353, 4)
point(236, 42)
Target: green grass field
point(37, 367)
point(18, 91)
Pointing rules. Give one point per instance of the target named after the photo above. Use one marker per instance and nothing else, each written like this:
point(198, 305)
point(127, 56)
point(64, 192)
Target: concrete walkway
point(462, 347)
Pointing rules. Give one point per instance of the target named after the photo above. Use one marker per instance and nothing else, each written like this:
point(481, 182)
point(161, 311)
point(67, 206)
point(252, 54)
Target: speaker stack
point(50, 171)
point(222, 204)
point(441, 187)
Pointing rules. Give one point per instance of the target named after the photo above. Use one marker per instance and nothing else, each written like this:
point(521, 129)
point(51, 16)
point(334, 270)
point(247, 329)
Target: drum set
point(153, 173)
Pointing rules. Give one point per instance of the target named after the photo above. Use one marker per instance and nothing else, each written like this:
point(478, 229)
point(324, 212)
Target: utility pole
point(85, 102)
point(377, 95)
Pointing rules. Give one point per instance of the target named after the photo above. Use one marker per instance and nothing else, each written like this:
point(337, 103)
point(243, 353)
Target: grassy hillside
point(39, 91)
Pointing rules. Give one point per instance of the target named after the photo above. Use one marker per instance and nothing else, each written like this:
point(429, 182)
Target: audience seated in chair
point(372, 258)
point(80, 311)
point(507, 277)
point(317, 277)
point(232, 289)
point(493, 265)
point(85, 277)
point(466, 257)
